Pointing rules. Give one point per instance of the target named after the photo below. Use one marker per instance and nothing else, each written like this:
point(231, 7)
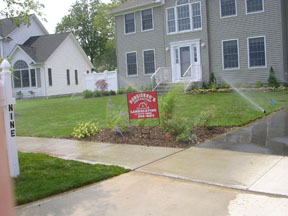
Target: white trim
point(254, 12)
point(152, 10)
point(248, 49)
point(235, 68)
point(236, 10)
point(190, 17)
point(136, 75)
point(148, 74)
point(125, 24)
point(14, 50)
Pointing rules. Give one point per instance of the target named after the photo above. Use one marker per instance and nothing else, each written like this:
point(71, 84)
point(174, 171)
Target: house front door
point(185, 60)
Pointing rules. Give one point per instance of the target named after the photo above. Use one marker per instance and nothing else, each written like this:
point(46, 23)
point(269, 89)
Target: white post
point(7, 103)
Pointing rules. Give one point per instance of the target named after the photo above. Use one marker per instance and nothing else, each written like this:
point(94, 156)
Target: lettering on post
point(11, 120)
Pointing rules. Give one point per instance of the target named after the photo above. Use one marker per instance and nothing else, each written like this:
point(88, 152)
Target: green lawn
point(58, 116)
point(43, 175)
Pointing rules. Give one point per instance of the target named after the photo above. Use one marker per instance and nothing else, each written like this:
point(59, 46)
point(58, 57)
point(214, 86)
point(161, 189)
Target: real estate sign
point(143, 105)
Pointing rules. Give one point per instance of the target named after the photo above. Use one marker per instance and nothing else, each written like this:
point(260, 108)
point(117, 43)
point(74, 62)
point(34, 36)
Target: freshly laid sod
point(57, 117)
point(43, 175)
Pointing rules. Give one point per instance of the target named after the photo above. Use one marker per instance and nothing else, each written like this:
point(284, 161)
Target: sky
point(54, 11)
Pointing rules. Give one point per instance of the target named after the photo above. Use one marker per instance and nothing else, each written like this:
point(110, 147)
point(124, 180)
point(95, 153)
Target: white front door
point(185, 59)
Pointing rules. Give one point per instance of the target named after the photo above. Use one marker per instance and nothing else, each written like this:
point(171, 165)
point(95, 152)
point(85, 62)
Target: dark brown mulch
point(155, 136)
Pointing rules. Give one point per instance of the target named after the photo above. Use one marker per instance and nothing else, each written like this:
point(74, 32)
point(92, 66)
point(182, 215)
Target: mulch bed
point(156, 136)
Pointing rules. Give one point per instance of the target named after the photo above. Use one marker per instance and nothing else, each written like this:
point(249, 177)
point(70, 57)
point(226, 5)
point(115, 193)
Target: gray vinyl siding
point(241, 27)
point(285, 37)
point(138, 42)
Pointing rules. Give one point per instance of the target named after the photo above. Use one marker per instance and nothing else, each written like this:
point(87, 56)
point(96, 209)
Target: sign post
point(7, 103)
point(143, 105)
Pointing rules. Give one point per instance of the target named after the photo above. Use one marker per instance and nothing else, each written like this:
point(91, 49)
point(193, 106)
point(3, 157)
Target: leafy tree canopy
point(20, 10)
point(92, 25)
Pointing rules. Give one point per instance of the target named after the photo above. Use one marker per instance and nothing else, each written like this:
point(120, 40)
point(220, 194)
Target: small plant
point(102, 85)
point(259, 84)
point(186, 136)
point(129, 89)
point(168, 106)
point(245, 85)
point(85, 129)
point(225, 85)
point(32, 93)
point(141, 123)
point(214, 87)
point(97, 93)
point(111, 92)
point(176, 126)
point(121, 91)
point(87, 94)
point(105, 93)
point(205, 117)
point(272, 81)
point(212, 80)
point(19, 95)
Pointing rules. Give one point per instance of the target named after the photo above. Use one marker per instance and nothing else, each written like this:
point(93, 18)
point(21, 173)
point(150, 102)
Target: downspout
point(1, 49)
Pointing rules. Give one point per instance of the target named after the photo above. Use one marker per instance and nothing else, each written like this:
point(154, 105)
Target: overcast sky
point(54, 11)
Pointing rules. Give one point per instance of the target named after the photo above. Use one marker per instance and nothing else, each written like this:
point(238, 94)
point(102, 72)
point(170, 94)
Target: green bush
point(186, 136)
point(97, 93)
point(129, 89)
point(105, 93)
point(111, 92)
point(87, 94)
point(225, 85)
point(259, 84)
point(245, 85)
point(214, 87)
point(176, 126)
point(212, 80)
point(272, 81)
point(85, 129)
point(121, 91)
point(168, 106)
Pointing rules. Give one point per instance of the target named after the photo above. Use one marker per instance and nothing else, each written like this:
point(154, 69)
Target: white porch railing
point(162, 74)
point(193, 74)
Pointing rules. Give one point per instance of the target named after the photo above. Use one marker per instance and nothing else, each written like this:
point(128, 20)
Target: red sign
point(143, 105)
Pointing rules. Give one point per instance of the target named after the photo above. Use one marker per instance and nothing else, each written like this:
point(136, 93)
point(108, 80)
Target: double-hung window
point(228, 8)
point(129, 23)
point(183, 17)
point(254, 6)
point(230, 52)
point(147, 19)
point(149, 61)
point(131, 63)
point(257, 52)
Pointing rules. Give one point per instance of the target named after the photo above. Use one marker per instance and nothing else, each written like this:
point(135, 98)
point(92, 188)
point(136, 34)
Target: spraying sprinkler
point(264, 111)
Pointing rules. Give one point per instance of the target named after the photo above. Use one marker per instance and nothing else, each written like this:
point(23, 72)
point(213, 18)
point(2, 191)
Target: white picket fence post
point(7, 103)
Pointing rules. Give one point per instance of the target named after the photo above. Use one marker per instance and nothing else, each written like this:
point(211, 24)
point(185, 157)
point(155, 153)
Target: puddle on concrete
point(266, 136)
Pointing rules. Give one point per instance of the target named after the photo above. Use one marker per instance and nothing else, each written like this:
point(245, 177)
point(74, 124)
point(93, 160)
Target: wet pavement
point(265, 136)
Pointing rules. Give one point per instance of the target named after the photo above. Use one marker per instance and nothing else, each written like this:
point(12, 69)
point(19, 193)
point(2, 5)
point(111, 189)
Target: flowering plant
point(85, 129)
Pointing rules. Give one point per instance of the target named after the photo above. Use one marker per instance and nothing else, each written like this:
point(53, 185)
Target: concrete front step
point(164, 88)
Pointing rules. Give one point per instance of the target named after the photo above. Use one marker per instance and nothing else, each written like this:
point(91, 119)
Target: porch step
point(165, 87)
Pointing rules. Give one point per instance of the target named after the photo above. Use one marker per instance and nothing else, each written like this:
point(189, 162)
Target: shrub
point(102, 85)
point(32, 93)
point(111, 92)
point(214, 87)
point(129, 89)
point(87, 94)
point(85, 129)
point(105, 93)
point(186, 136)
point(259, 84)
point(97, 93)
point(212, 80)
point(245, 85)
point(168, 106)
point(225, 85)
point(176, 126)
point(272, 81)
point(116, 117)
point(121, 91)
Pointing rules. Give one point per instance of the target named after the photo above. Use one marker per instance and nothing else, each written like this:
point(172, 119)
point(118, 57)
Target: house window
point(50, 76)
point(68, 76)
point(147, 19)
point(23, 77)
point(129, 23)
point(184, 17)
point(76, 77)
point(171, 20)
point(254, 6)
point(149, 61)
point(180, 2)
point(257, 52)
point(228, 8)
point(230, 54)
point(131, 61)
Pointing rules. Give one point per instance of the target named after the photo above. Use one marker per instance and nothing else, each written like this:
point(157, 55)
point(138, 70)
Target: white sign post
point(7, 103)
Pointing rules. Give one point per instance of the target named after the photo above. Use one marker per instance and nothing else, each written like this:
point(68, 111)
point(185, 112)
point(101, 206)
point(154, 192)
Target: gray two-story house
point(187, 40)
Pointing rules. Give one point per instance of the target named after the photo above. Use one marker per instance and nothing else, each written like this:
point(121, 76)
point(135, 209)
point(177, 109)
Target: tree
point(20, 10)
point(272, 80)
point(91, 24)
